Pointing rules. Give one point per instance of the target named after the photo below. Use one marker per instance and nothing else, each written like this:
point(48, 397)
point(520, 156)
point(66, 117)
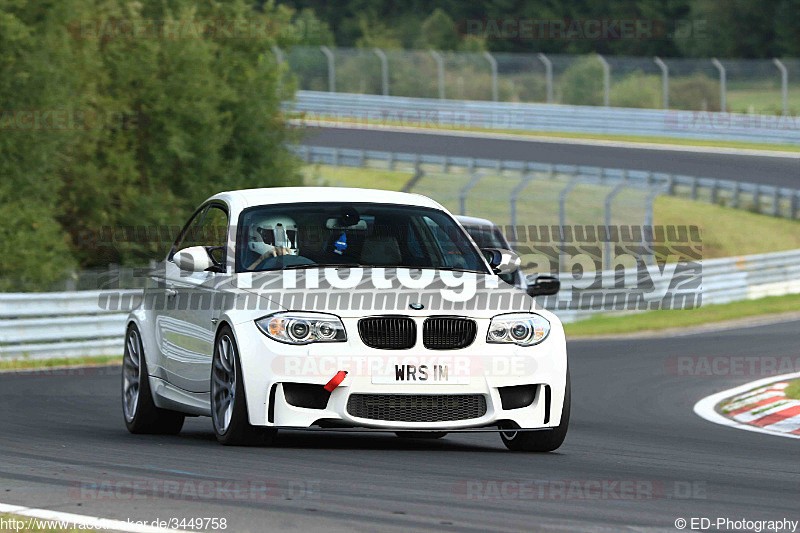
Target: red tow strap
point(336, 380)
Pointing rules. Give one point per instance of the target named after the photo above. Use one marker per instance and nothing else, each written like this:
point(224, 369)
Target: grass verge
point(793, 390)
point(32, 525)
point(64, 362)
point(707, 314)
point(674, 141)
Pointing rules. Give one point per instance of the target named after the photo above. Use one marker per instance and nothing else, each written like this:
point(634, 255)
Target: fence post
point(514, 194)
point(279, 60)
point(664, 82)
point(784, 84)
point(493, 66)
point(279, 53)
point(649, 219)
point(606, 80)
point(776, 202)
point(384, 70)
point(548, 72)
point(331, 68)
point(607, 215)
point(722, 81)
point(462, 194)
point(562, 219)
point(757, 199)
point(440, 68)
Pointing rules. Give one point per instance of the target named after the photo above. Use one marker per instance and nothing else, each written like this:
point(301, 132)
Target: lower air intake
point(417, 407)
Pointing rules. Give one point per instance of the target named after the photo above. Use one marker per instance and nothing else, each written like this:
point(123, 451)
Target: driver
point(272, 236)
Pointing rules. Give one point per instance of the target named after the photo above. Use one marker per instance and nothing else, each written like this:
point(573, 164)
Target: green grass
point(30, 364)
point(31, 524)
point(761, 101)
point(793, 390)
point(582, 136)
point(725, 231)
point(661, 320)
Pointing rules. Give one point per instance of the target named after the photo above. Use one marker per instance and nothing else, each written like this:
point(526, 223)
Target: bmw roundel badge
point(416, 306)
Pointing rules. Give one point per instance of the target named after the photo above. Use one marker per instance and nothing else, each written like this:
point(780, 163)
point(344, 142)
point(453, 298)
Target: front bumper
point(269, 367)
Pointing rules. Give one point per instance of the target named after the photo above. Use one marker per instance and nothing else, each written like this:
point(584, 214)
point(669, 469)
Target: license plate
point(420, 375)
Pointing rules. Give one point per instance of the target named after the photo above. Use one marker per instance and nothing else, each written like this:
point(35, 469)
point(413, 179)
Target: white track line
point(76, 520)
point(311, 123)
point(705, 408)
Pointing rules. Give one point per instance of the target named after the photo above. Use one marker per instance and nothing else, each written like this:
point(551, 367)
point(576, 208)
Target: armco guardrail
point(68, 324)
point(765, 199)
point(373, 109)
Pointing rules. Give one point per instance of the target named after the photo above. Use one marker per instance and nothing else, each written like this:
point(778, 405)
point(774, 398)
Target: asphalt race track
point(632, 421)
point(781, 171)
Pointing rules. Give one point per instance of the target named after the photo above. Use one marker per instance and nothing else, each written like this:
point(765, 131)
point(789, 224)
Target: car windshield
point(290, 236)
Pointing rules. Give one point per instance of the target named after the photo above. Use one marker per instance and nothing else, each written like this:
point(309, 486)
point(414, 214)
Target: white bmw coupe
point(342, 309)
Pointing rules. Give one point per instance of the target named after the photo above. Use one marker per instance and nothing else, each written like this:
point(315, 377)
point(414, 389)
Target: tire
point(420, 434)
point(229, 414)
point(541, 441)
point(138, 409)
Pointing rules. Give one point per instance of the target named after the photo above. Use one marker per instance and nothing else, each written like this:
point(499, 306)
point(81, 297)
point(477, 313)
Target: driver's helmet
point(271, 232)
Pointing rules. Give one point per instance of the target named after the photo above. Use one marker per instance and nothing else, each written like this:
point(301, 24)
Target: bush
point(582, 82)
point(694, 92)
point(638, 90)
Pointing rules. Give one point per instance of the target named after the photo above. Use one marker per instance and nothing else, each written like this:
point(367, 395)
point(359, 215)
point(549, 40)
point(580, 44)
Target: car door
point(187, 327)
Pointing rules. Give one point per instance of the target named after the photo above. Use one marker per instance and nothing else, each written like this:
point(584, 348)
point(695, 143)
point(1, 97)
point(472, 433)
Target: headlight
point(302, 328)
point(522, 329)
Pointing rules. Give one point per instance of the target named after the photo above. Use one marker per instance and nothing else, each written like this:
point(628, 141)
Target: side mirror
point(502, 261)
point(543, 286)
point(193, 259)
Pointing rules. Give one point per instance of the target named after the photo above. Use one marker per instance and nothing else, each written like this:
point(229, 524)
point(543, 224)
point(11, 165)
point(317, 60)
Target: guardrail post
point(331, 68)
point(384, 70)
point(784, 84)
point(722, 82)
point(714, 191)
point(390, 161)
point(562, 220)
point(670, 185)
point(335, 157)
point(607, 214)
point(493, 66)
point(694, 188)
point(440, 69)
point(514, 194)
point(664, 82)
point(793, 207)
point(462, 194)
point(736, 191)
point(606, 80)
point(548, 72)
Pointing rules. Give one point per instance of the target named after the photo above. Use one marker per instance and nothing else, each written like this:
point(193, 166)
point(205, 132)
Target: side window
point(187, 236)
point(213, 233)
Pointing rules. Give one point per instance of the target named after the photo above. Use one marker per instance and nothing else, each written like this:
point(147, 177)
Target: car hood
point(357, 292)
